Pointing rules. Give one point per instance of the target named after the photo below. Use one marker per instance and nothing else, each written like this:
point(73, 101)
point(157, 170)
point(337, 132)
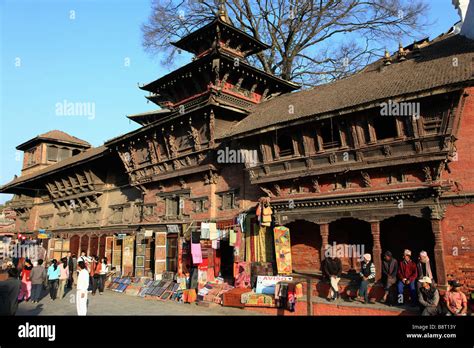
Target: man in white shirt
point(82, 285)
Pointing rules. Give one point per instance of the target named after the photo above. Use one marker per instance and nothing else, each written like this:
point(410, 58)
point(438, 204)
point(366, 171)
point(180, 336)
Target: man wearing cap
point(424, 267)
point(428, 297)
point(456, 301)
point(367, 274)
point(407, 275)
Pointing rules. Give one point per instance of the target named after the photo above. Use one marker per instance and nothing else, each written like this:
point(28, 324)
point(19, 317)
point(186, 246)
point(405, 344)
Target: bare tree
point(312, 41)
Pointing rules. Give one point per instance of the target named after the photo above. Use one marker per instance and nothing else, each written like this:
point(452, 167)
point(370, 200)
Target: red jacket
point(93, 266)
point(25, 273)
point(407, 270)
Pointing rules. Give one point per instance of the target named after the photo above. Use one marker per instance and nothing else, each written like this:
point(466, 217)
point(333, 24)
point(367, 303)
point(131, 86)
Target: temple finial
point(222, 13)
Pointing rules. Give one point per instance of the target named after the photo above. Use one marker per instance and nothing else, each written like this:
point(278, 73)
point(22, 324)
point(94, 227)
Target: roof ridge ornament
point(401, 53)
point(386, 58)
point(222, 12)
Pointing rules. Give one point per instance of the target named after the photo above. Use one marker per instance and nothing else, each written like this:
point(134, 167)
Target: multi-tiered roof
point(218, 74)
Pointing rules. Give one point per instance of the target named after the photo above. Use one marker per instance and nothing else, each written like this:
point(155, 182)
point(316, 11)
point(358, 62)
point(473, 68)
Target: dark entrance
point(408, 232)
point(74, 245)
point(305, 246)
point(226, 253)
point(354, 238)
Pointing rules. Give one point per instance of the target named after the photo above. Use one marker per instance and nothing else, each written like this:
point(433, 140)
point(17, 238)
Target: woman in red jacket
point(25, 290)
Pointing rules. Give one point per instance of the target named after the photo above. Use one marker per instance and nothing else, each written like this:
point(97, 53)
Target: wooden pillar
point(439, 254)
point(319, 141)
point(377, 248)
point(399, 125)
point(324, 231)
point(98, 247)
point(372, 134)
point(88, 245)
point(354, 135)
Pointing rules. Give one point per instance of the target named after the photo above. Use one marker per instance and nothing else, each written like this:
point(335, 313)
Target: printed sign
point(266, 284)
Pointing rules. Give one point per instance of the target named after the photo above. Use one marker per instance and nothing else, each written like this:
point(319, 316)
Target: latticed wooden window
point(172, 206)
point(432, 123)
point(52, 153)
point(64, 153)
point(285, 145)
point(330, 134)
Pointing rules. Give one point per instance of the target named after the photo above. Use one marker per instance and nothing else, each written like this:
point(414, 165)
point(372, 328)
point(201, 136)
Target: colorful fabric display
point(212, 231)
point(196, 253)
point(232, 237)
point(205, 230)
point(264, 212)
point(242, 275)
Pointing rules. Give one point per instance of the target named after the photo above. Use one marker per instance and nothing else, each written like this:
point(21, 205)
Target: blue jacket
point(53, 274)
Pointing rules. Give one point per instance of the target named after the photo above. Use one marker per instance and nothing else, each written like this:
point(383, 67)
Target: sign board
point(266, 284)
point(121, 235)
point(42, 234)
point(148, 233)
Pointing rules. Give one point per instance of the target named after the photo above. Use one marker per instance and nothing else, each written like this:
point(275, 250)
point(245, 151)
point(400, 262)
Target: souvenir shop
point(240, 262)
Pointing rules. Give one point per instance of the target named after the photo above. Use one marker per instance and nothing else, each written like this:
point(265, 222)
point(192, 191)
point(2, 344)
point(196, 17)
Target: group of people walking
point(28, 282)
point(417, 277)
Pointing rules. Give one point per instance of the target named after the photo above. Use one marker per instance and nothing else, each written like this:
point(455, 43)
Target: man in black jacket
point(333, 269)
point(389, 274)
point(71, 268)
point(9, 290)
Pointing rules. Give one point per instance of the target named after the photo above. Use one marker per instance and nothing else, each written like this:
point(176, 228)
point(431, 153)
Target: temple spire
point(222, 12)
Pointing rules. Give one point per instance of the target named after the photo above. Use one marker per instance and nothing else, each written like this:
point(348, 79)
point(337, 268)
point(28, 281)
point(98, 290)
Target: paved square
point(112, 303)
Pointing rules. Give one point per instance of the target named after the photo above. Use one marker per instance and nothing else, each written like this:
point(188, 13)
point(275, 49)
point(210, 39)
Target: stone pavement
point(112, 303)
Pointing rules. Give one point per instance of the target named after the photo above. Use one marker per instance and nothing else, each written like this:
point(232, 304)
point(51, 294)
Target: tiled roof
point(60, 135)
point(446, 61)
point(74, 160)
point(56, 135)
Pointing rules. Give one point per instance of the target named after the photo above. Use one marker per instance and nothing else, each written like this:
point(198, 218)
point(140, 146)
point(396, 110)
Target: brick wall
point(458, 223)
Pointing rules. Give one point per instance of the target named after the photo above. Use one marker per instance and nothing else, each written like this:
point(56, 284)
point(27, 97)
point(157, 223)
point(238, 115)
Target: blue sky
point(49, 55)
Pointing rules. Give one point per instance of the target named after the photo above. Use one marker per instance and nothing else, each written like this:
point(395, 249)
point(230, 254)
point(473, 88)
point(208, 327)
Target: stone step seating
point(320, 306)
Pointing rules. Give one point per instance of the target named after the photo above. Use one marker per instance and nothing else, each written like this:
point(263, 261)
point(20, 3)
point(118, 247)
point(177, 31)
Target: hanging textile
point(260, 250)
point(212, 231)
point(205, 230)
point(241, 221)
point(215, 244)
point(239, 247)
point(251, 226)
point(264, 212)
point(195, 237)
point(202, 274)
point(196, 253)
point(283, 249)
point(232, 237)
point(217, 262)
